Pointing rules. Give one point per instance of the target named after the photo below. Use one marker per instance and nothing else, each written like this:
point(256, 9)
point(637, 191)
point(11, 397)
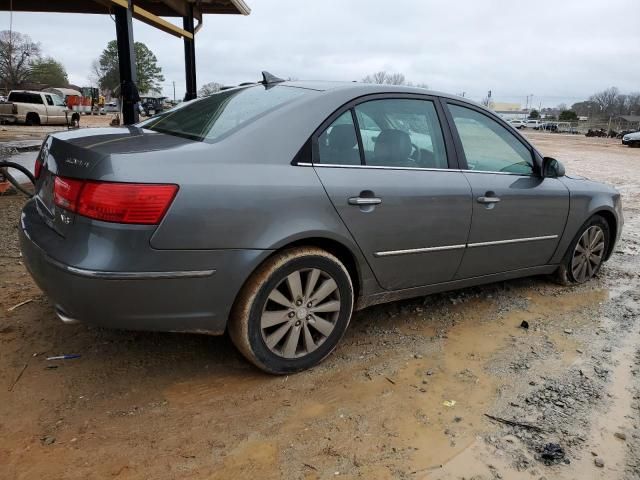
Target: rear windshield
point(213, 117)
point(25, 97)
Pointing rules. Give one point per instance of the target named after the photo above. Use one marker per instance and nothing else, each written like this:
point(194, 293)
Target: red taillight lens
point(66, 192)
point(126, 202)
point(37, 168)
point(136, 203)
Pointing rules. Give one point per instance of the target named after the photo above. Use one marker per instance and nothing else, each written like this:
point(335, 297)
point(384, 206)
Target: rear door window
point(401, 133)
point(338, 144)
point(213, 117)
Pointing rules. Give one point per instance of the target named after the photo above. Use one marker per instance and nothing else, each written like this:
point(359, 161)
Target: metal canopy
point(162, 8)
point(150, 12)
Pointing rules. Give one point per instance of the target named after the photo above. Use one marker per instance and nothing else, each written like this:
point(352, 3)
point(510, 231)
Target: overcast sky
point(559, 51)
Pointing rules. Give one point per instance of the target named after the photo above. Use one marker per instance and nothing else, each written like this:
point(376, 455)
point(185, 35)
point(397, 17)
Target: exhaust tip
point(65, 318)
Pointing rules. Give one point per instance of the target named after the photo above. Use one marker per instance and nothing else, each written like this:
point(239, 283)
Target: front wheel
point(586, 253)
point(293, 310)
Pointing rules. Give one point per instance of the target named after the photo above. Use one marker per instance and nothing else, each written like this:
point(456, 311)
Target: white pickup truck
point(34, 108)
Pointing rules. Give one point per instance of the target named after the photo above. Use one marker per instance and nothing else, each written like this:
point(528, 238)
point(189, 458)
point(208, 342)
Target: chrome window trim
point(382, 167)
point(390, 253)
point(376, 167)
point(513, 240)
point(499, 173)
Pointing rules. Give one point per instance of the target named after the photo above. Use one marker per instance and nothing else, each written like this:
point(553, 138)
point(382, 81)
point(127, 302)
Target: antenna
point(270, 79)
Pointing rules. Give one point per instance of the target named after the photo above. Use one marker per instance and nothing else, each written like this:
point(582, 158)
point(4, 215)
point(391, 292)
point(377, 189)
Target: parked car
point(34, 108)
point(262, 211)
point(110, 107)
point(632, 139)
point(518, 124)
point(535, 124)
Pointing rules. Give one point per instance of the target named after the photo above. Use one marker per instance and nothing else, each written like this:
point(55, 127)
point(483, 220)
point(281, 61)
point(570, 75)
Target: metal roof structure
point(147, 11)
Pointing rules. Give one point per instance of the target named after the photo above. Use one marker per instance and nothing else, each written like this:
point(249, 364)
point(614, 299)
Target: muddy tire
point(75, 120)
point(293, 310)
point(32, 119)
point(586, 253)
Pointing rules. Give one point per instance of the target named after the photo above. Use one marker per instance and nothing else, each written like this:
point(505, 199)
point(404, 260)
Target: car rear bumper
point(168, 299)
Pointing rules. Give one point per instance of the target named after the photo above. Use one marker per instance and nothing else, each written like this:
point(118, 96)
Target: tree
point(209, 88)
point(385, 78)
point(48, 71)
point(17, 53)
point(534, 114)
point(568, 116)
point(607, 100)
point(149, 74)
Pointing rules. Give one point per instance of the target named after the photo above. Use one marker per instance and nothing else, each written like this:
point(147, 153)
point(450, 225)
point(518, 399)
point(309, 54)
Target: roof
point(630, 118)
point(64, 91)
point(162, 8)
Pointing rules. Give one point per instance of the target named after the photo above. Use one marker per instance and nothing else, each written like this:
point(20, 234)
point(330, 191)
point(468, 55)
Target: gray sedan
point(274, 210)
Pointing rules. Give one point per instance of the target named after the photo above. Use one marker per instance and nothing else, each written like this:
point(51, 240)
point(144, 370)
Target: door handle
point(364, 201)
point(488, 200)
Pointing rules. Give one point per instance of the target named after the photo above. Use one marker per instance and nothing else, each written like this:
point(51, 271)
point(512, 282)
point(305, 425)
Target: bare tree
point(395, 79)
point(607, 100)
point(378, 77)
point(209, 88)
point(17, 53)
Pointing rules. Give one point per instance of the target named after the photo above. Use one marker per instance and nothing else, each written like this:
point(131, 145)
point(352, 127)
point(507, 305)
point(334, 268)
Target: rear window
point(215, 116)
point(24, 97)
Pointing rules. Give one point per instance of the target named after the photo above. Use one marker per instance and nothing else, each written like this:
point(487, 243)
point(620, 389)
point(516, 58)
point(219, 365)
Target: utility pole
point(174, 91)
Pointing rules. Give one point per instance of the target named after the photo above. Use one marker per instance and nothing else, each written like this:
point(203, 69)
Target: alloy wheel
point(588, 254)
point(300, 313)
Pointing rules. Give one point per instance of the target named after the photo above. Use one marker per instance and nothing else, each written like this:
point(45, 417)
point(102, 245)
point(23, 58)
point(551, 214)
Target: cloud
point(558, 51)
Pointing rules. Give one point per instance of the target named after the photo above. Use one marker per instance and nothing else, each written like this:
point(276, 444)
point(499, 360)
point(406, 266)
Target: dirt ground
point(22, 132)
point(405, 395)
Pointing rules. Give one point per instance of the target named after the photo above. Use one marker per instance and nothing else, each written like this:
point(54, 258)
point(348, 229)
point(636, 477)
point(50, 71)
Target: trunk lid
point(86, 155)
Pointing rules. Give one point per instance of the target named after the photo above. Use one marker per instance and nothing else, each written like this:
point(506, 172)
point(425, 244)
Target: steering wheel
point(4, 170)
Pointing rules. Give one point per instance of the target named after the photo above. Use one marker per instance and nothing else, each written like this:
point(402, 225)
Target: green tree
point(534, 114)
point(50, 72)
point(568, 116)
point(149, 74)
point(17, 53)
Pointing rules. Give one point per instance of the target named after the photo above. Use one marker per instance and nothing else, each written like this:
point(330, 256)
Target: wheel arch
point(612, 221)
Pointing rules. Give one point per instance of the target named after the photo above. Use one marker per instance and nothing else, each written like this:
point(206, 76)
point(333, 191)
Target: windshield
point(213, 117)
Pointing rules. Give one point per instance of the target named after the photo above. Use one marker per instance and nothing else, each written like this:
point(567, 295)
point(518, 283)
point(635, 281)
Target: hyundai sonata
point(274, 210)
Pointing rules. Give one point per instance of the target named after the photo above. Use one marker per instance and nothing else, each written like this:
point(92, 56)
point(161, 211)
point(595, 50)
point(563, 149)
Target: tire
point(265, 331)
point(32, 119)
point(75, 119)
point(568, 272)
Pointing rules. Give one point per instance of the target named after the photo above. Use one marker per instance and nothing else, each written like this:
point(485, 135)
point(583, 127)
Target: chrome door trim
point(390, 253)
point(409, 251)
point(514, 240)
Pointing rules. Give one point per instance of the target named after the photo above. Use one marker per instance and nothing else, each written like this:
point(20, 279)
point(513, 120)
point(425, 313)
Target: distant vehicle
point(535, 124)
point(111, 107)
point(519, 124)
point(74, 100)
point(632, 139)
point(34, 108)
point(293, 204)
point(152, 105)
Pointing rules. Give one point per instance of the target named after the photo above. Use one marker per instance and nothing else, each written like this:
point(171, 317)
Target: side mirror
point(552, 168)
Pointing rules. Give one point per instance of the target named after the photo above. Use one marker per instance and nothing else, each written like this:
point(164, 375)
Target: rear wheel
point(293, 310)
point(586, 253)
point(32, 119)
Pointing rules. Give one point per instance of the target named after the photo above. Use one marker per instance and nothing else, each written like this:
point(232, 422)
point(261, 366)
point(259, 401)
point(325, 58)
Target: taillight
point(37, 168)
point(135, 203)
point(66, 192)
